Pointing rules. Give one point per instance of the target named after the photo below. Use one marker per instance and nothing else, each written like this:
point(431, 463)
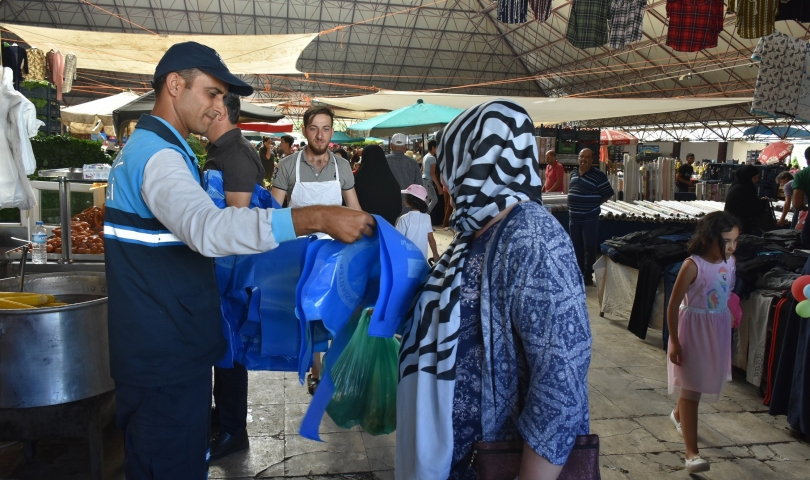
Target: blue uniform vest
point(164, 308)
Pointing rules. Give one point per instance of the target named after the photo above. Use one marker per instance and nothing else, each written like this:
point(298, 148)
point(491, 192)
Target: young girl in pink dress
point(700, 324)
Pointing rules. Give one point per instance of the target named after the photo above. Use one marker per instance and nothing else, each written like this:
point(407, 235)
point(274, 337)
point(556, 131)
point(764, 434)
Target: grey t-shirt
point(426, 163)
point(285, 178)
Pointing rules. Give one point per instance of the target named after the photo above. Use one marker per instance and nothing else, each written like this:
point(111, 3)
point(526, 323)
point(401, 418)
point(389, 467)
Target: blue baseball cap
point(181, 56)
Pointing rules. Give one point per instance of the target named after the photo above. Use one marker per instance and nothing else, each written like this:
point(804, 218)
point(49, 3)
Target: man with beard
point(315, 176)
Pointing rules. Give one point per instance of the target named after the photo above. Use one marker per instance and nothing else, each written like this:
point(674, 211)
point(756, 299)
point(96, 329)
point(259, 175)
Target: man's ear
point(174, 83)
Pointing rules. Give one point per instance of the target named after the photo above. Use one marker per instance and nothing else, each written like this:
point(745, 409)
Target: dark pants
point(165, 429)
point(584, 235)
point(805, 234)
point(230, 397)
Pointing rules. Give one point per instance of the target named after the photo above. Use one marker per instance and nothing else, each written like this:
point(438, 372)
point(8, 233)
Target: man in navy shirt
point(589, 188)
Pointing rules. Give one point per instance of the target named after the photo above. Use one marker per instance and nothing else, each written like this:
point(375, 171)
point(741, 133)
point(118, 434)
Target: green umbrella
point(341, 137)
point(420, 117)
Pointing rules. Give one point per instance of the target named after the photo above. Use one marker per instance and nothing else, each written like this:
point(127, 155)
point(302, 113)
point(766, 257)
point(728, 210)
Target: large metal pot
point(55, 355)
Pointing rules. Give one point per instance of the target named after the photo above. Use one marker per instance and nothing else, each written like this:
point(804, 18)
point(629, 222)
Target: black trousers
point(166, 429)
point(230, 397)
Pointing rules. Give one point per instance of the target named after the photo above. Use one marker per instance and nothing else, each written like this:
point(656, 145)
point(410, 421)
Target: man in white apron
point(315, 176)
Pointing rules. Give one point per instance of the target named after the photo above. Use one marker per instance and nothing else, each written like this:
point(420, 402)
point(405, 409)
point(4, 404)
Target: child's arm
point(432, 243)
point(686, 277)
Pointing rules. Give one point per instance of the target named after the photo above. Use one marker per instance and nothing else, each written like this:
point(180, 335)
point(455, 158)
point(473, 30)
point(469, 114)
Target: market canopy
point(145, 103)
point(419, 117)
point(263, 127)
point(546, 110)
point(102, 109)
point(140, 53)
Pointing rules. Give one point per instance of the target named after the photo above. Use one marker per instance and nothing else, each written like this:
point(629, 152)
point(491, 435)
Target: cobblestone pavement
point(629, 410)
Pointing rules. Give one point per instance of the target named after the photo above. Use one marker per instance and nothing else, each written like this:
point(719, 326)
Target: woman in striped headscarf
point(498, 343)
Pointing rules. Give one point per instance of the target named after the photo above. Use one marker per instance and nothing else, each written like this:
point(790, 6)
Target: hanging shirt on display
point(56, 71)
point(70, 72)
point(694, 26)
point(541, 9)
point(782, 60)
point(803, 105)
point(755, 18)
point(512, 11)
point(626, 21)
point(36, 64)
point(588, 23)
point(798, 10)
point(14, 57)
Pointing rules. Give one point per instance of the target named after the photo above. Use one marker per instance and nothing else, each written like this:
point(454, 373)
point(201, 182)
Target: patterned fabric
point(626, 22)
point(488, 155)
point(755, 18)
point(779, 81)
point(803, 105)
point(470, 355)
point(694, 24)
point(541, 9)
point(36, 64)
point(70, 72)
point(588, 23)
point(585, 194)
point(512, 11)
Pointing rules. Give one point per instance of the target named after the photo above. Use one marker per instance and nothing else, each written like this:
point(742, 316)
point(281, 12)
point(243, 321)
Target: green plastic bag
point(365, 377)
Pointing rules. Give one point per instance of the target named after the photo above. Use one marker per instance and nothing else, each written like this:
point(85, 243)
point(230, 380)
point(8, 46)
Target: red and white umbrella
point(616, 137)
point(775, 152)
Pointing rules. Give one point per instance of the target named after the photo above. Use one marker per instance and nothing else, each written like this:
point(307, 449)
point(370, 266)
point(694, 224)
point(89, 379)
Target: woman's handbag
point(501, 460)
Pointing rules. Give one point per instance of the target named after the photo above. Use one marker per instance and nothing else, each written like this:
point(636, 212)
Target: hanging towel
point(70, 72)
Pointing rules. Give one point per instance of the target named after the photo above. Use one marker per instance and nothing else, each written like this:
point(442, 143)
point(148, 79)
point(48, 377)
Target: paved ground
point(629, 410)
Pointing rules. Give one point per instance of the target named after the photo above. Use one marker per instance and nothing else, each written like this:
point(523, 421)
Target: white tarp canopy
point(545, 110)
point(140, 53)
point(101, 109)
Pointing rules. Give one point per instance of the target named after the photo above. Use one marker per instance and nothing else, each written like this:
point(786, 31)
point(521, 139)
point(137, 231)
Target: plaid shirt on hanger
point(694, 25)
point(588, 23)
point(626, 22)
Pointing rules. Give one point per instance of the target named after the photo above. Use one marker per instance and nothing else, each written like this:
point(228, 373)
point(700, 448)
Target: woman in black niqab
point(742, 199)
point(377, 189)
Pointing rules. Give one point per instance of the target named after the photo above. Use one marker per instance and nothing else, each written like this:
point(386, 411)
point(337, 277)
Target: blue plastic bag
point(258, 295)
point(403, 269)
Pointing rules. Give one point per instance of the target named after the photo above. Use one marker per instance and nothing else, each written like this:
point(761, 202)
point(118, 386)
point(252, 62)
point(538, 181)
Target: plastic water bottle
point(39, 253)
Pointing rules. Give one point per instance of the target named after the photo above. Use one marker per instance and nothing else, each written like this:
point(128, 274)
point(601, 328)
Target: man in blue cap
point(161, 229)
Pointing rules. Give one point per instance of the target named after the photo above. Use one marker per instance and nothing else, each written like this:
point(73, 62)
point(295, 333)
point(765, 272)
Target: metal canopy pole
point(64, 218)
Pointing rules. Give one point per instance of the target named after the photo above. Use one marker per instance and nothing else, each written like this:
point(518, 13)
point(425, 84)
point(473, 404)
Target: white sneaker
point(697, 464)
point(676, 423)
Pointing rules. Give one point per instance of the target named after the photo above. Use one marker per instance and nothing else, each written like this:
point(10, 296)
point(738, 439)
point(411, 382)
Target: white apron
point(305, 194)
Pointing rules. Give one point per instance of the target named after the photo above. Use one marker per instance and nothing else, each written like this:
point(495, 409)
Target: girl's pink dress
point(704, 331)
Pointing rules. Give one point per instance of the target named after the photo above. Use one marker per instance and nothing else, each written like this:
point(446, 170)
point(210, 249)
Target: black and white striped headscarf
point(489, 159)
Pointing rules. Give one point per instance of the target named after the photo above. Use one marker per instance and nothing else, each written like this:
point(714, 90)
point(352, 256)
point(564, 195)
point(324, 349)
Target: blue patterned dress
point(547, 349)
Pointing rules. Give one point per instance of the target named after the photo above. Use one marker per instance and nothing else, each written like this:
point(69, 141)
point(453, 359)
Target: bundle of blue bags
point(310, 295)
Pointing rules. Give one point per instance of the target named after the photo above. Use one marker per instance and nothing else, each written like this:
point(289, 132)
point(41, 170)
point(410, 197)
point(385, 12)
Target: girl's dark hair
point(416, 203)
point(709, 232)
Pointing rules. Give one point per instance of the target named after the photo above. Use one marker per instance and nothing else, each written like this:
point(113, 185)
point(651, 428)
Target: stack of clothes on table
point(773, 343)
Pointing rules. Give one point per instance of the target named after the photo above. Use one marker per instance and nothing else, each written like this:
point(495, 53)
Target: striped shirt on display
point(586, 192)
